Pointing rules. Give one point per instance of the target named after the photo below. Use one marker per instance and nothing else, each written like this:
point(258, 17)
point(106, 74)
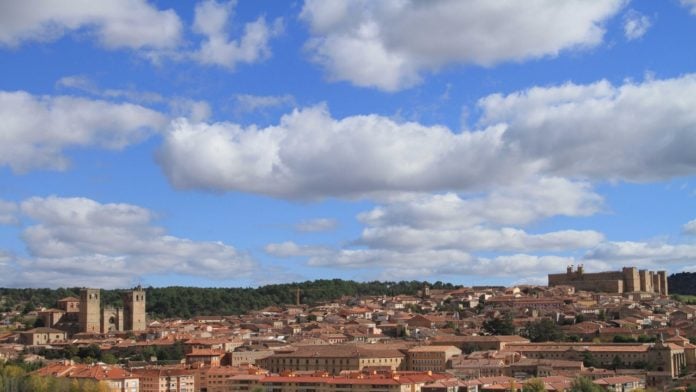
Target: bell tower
point(134, 310)
point(90, 311)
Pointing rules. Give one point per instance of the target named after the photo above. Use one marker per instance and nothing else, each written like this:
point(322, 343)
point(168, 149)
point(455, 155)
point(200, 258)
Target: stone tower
point(134, 310)
point(90, 311)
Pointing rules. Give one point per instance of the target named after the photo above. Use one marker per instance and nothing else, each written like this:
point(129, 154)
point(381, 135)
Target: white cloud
point(388, 44)
point(653, 254)
point(77, 239)
point(319, 224)
point(632, 132)
point(247, 103)
point(133, 24)
point(308, 153)
point(211, 20)
point(8, 213)
point(690, 227)
point(505, 239)
point(690, 4)
point(518, 204)
point(85, 84)
point(291, 249)
point(635, 25)
point(36, 129)
point(393, 265)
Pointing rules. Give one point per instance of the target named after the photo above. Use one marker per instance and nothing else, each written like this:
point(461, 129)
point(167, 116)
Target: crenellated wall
point(629, 279)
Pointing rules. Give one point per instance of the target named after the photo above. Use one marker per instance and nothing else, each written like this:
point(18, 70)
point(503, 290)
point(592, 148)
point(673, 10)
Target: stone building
point(95, 319)
point(661, 356)
point(333, 358)
point(90, 311)
point(134, 310)
point(431, 358)
point(628, 280)
point(42, 336)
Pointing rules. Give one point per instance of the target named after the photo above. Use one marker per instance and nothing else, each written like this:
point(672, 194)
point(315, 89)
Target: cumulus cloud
point(632, 132)
point(8, 213)
point(690, 4)
point(36, 129)
point(315, 225)
point(518, 204)
point(211, 20)
point(247, 103)
point(650, 254)
point(635, 25)
point(307, 154)
point(132, 24)
point(690, 227)
point(388, 44)
point(406, 265)
point(79, 239)
point(505, 239)
point(291, 249)
point(424, 235)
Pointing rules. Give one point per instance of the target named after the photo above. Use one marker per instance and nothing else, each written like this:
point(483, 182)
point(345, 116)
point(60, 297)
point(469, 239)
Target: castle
point(87, 315)
point(629, 279)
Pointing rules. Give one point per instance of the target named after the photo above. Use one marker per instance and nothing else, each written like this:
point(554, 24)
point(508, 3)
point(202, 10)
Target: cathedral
point(86, 314)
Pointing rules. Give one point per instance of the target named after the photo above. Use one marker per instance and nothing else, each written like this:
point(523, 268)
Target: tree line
point(186, 302)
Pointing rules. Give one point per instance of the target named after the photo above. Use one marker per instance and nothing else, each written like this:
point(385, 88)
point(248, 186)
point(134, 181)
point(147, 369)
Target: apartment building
point(431, 358)
point(334, 358)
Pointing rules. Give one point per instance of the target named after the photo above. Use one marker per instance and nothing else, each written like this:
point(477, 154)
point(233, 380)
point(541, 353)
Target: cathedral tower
point(90, 311)
point(134, 310)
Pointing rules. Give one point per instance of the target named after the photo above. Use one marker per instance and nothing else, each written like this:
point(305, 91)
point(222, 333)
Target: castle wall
point(629, 279)
point(657, 284)
point(646, 281)
point(663, 282)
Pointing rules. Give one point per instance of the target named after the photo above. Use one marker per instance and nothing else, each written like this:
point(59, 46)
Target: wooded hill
point(185, 302)
point(682, 283)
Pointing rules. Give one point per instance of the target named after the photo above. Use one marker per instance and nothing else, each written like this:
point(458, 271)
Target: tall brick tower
point(134, 310)
point(90, 311)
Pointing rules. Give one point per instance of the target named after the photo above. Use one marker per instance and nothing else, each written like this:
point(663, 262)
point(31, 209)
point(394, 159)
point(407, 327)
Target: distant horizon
point(298, 283)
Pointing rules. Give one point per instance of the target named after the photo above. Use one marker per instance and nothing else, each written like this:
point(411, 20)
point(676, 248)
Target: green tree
point(616, 363)
point(588, 360)
point(583, 384)
point(534, 385)
point(544, 330)
point(500, 325)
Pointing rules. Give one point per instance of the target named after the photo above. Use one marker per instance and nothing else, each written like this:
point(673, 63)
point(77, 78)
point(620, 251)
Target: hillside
point(682, 283)
point(194, 301)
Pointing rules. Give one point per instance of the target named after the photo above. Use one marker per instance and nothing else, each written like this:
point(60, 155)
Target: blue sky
point(254, 142)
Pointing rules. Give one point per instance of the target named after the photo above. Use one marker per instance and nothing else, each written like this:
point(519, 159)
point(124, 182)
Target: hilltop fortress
point(629, 279)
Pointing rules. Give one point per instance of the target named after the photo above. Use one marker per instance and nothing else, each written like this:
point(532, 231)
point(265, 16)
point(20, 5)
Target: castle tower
point(90, 311)
point(646, 281)
point(663, 282)
point(134, 310)
point(657, 283)
point(631, 279)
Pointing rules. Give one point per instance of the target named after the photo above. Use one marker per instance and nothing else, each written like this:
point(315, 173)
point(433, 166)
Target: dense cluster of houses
point(434, 341)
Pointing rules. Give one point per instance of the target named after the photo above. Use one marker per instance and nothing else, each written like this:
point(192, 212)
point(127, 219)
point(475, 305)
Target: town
point(608, 331)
